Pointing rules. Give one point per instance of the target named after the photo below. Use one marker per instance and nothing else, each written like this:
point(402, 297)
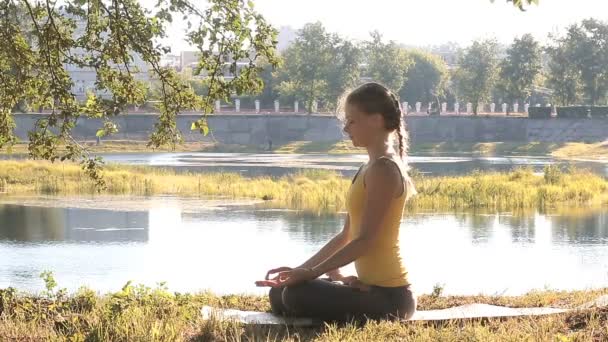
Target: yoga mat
point(467, 311)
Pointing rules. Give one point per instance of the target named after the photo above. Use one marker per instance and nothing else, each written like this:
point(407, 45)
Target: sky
point(425, 22)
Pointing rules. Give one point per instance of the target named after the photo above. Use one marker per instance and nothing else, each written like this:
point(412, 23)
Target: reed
point(316, 191)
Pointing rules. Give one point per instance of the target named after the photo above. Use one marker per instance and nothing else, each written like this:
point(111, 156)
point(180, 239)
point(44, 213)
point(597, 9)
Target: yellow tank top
point(382, 264)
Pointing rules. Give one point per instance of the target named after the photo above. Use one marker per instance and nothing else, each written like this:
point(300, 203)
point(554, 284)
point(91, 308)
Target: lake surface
point(193, 244)
point(276, 165)
point(280, 164)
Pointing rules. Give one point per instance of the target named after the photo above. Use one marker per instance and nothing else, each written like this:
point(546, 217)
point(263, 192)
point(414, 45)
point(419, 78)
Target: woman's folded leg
point(330, 301)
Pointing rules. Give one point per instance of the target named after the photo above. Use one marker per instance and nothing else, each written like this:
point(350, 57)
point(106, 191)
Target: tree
point(267, 93)
point(306, 62)
point(578, 63)
point(476, 73)
point(318, 66)
point(345, 70)
point(587, 45)
point(105, 35)
point(426, 78)
point(520, 3)
point(520, 68)
point(563, 77)
point(386, 63)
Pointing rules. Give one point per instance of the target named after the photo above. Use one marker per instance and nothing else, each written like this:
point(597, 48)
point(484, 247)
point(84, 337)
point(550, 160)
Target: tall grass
point(519, 189)
point(139, 313)
point(315, 191)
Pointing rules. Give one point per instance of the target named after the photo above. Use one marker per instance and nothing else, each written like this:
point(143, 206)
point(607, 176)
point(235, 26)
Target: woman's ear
point(378, 120)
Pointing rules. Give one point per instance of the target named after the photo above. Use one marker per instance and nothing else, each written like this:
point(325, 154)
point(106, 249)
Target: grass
point(312, 190)
point(315, 191)
point(570, 150)
point(340, 147)
point(486, 148)
point(584, 151)
point(139, 313)
point(121, 146)
point(519, 189)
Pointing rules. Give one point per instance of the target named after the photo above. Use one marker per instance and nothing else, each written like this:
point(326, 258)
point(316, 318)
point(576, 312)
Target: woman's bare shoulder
point(386, 170)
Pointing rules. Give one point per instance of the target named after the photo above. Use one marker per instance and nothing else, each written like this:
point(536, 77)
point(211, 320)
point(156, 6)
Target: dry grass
point(315, 191)
point(138, 313)
point(598, 151)
point(312, 191)
point(519, 189)
point(119, 146)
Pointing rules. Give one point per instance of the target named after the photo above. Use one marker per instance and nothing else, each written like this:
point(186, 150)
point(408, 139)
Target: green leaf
point(204, 128)
point(34, 72)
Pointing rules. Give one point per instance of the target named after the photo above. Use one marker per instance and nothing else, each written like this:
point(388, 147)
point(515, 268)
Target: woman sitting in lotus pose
point(370, 237)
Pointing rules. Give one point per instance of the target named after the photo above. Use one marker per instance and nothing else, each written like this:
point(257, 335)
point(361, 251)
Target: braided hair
point(373, 98)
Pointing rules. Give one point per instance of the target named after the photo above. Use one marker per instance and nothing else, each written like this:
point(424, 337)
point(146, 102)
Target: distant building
point(188, 59)
point(172, 61)
point(286, 36)
point(448, 52)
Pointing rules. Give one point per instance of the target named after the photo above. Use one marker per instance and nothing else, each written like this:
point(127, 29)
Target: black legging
point(330, 301)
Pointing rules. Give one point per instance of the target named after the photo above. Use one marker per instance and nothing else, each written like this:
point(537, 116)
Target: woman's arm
point(330, 247)
point(381, 181)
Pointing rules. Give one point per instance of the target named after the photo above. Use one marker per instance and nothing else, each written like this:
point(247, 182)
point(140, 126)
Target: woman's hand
point(296, 276)
point(277, 270)
point(274, 282)
point(334, 275)
point(271, 283)
point(289, 277)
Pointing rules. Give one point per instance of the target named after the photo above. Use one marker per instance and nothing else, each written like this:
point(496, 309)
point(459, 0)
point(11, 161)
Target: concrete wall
point(281, 128)
point(508, 129)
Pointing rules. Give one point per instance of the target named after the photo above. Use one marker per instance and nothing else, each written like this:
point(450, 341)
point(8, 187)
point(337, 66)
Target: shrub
point(539, 112)
point(573, 112)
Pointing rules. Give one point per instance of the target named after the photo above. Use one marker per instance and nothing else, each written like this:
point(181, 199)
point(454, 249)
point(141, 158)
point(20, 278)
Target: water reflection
point(40, 224)
point(225, 250)
point(346, 164)
point(276, 165)
point(581, 226)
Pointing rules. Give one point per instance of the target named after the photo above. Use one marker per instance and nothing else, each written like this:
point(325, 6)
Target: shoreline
point(594, 152)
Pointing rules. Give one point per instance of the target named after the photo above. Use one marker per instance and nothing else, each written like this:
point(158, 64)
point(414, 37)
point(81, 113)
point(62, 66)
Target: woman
point(370, 236)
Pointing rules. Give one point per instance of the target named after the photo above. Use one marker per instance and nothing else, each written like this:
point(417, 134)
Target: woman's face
point(360, 126)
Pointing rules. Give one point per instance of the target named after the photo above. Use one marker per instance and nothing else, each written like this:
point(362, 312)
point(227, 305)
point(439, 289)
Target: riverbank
point(313, 191)
point(138, 313)
point(584, 151)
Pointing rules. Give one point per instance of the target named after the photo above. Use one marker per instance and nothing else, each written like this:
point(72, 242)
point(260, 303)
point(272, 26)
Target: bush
point(553, 174)
point(539, 112)
point(573, 112)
